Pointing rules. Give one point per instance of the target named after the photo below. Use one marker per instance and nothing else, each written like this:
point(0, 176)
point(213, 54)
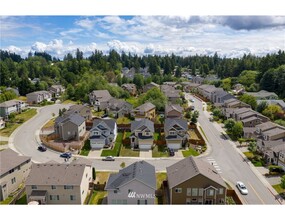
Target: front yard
point(19, 120)
point(190, 152)
point(116, 149)
point(123, 120)
point(97, 197)
point(126, 151)
point(255, 159)
point(160, 151)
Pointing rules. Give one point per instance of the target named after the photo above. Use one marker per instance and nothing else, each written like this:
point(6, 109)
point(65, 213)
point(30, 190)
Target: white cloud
point(86, 23)
point(70, 32)
point(14, 49)
point(122, 46)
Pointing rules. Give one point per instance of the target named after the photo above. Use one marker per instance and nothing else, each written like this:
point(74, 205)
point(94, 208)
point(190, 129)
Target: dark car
point(104, 116)
point(66, 155)
point(108, 158)
point(171, 152)
point(42, 148)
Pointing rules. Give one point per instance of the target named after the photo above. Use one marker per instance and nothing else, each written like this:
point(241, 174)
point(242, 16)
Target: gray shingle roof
point(175, 107)
point(266, 125)
point(273, 102)
point(141, 171)
point(9, 159)
point(101, 95)
point(117, 104)
point(74, 118)
point(262, 94)
point(9, 103)
point(144, 122)
point(56, 174)
point(188, 168)
point(145, 107)
point(249, 119)
point(110, 123)
point(274, 131)
point(170, 122)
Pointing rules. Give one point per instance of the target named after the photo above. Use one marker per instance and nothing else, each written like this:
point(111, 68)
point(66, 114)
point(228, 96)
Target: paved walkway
point(146, 154)
point(178, 154)
point(95, 153)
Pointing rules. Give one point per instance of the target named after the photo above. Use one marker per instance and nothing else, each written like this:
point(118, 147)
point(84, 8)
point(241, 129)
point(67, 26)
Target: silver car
point(242, 188)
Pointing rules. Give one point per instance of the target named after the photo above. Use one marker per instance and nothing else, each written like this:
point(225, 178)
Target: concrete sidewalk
point(145, 154)
point(95, 153)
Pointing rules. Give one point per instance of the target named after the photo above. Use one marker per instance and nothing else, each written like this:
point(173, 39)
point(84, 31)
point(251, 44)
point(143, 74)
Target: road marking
point(256, 193)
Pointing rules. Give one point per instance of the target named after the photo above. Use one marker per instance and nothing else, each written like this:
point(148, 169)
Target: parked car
point(192, 107)
point(66, 155)
point(191, 100)
point(211, 119)
point(171, 152)
point(242, 188)
point(108, 158)
point(104, 116)
point(42, 148)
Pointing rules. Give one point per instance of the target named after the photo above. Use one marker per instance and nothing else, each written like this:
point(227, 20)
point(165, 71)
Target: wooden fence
point(232, 193)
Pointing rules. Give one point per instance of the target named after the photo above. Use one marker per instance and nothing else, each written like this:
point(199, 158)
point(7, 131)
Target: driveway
point(146, 154)
point(178, 154)
point(95, 153)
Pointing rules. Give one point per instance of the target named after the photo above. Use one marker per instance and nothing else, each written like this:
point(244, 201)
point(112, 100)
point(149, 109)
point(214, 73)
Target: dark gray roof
point(266, 126)
point(56, 174)
point(74, 118)
point(145, 107)
point(101, 95)
point(142, 123)
point(262, 94)
point(172, 93)
point(273, 102)
point(9, 159)
point(110, 123)
point(274, 131)
point(170, 122)
point(249, 119)
point(175, 107)
point(117, 104)
point(241, 110)
point(189, 167)
point(141, 171)
point(231, 100)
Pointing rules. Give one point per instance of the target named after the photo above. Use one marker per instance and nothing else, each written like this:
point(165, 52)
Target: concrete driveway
point(146, 154)
point(95, 153)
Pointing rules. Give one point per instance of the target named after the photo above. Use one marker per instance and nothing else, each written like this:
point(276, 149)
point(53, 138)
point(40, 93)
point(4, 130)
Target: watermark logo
point(135, 195)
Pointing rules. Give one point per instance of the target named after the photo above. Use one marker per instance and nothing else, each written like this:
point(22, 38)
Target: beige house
point(54, 183)
point(38, 97)
point(14, 170)
point(11, 106)
point(56, 90)
point(193, 181)
point(142, 134)
point(131, 88)
point(70, 127)
point(173, 111)
point(147, 110)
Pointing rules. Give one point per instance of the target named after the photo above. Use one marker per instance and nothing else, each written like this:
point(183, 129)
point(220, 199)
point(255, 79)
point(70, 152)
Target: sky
point(230, 36)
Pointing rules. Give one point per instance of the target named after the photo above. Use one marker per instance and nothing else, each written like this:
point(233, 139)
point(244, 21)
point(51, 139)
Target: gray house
point(118, 107)
point(142, 134)
point(135, 184)
point(56, 90)
point(11, 106)
point(150, 86)
point(70, 127)
point(83, 110)
point(263, 94)
point(220, 96)
point(38, 97)
point(99, 99)
point(176, 132)
point(103, 133)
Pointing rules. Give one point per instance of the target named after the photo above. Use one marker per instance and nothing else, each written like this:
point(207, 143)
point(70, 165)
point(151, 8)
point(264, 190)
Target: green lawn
point(248, 154)
point(22, 200)
point(160, 177)
point(19, 119)
point(203, 132)
point(160, 151)
point(68, 101)
point(133, 100)
point(278, 188)
point(3, 142)
point(85, 149)
point(97, 197)
point(50, 123)
point(116, 149)
point(98, 114)
point(128, 152)
point(123, 120)
point(7, 201)
point(156, 136)
point(127, 134)
point(190, 152)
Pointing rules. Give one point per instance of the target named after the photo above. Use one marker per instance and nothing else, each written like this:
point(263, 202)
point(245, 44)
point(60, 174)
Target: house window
point(210, 192)
point(146, 133)
point(194, 191)
point(189, 191)
point(13, 180)
point(221, 191)
point(34, 187)
point(96, 133)
point(201, 191)
point(119, 201)
point(115, 191)
point(68, 187)
point(178, 190)
point(82, 192)
point(171, 132)
point(72, 197)
point(125, 201)
point(53, 187)
point(114, 201)
point(54, 197)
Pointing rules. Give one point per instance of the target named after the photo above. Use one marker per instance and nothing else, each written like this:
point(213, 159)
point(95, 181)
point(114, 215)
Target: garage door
point(145, 146)
point(174, 146)
point(97, 144)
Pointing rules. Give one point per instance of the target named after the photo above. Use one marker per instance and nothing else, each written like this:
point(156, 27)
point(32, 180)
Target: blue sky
point(230, 36)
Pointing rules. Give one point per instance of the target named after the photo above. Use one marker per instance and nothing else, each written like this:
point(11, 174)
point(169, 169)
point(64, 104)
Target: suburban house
point(275, 154)
point(176, 132)
point(2, 123)
point(131, 88)
point(118, 108)
point(103, 133)
point(189, 87)
point(235, 103)
point(11, 106)
point(265, 127)
point(82, 110)
point(219, 96)
point(249, 118)
point(99, 99)
point(146, 110)
point(279, 103)
point(150, 86)
point(15, 90)
point(263, 94)
point(172, 96)
point(38, 97)
point(193, 181)
point(53, 183)
point(70, 127)
point(238, 89)
point(56, 90)
point(207, 91)
point(142, 134)
point(173, 111)
point(198, 79)
point(135, 184)
point(14, 170)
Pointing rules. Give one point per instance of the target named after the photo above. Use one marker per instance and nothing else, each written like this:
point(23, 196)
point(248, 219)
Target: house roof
point(110, 123)
point(145, 107)
point(175, 107)
point(189, 167)
point(279, 148)
point(9, 159)
point(74, 118)
point(76, 109)
point(274, 131)
point(248, 113)
point(141, 171)
point(135, 125)
point(129, 86)
point(269, 144)
point(273, 102)
point(172, 93)
point(10, 103)
point(248, 130)
point(56, 174)
point(231, 100)
point(170, 122)
point(101, 95)
point(249, 119)
point(262, 94)
point(241, 110)
point(117, 104)
point(39, 93)
point(266, 126)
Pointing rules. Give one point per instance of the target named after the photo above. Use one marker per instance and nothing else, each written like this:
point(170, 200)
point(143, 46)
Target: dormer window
point(172, 132)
